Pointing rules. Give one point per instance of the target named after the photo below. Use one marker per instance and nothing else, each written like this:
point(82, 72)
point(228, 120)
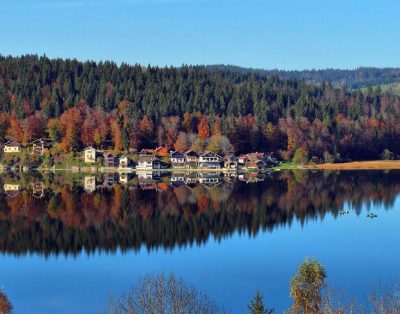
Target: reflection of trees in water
point(68, 219)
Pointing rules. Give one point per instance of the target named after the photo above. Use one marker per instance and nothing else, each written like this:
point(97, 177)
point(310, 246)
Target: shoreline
point(355, 165)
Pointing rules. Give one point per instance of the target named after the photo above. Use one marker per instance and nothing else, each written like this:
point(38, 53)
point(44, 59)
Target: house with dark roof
point(178, 160)
point(192, 159)
point(210, 160)
point(12, 146)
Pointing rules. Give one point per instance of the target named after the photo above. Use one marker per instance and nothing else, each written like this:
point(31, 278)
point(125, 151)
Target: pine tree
point(257, 306)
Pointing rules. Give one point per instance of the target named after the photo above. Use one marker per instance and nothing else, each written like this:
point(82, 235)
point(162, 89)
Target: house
point(12, 147)
point(124, 162)
point(192, 159)
point(252, 160)
point(109, 160)
point(230, 161)
point(90, 155)
point(210, 160)
point(177, 160)
point(147, 152)
point(255, 164)
point(145, 162)
point(40, 146)
point(89, 184)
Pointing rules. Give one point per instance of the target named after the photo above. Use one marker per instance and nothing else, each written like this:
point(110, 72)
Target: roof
point(12, 143)
point(90, 148)
point(45, 140)
point(207, 153)
point(146, 159)
point(108, 155)
point(177, 154)
point(191, 153)
point(147, 151)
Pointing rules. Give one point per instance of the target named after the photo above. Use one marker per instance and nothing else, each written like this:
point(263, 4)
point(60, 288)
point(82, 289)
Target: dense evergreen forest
point(131, 106)
point(357, 78)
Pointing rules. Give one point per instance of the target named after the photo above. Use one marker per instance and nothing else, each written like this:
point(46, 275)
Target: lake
point(69, 241)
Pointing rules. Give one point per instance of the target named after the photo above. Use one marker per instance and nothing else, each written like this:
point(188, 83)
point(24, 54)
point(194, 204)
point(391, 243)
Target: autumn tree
point(5, 304)
point(306, 288)
point(182, 144)
point(116, 134)
point(146, 129)
point(203, 129)
point(219, 144)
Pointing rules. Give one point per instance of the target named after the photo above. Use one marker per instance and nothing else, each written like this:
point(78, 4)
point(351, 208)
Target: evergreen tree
point(257, 306)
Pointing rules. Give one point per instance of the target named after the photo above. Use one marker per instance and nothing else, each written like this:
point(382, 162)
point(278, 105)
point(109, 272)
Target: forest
point(357, 78)
point(123, 107)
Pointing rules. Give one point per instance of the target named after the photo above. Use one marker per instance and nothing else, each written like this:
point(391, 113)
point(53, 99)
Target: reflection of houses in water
point(148, 179)
point(177, 179)
point(109, 179)
point(90, 184)
point(251, 177)
point(38, 190)
point(125, 177)
point(209, 179)
point(11, 190)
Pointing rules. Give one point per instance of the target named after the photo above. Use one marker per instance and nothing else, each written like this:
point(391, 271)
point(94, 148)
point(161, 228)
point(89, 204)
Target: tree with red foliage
point(203, 129)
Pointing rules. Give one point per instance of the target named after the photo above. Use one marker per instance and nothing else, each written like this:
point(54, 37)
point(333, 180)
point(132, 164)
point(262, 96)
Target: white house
point(12, 147)
point(90, 155)
point(124, 162)
point(145, 162)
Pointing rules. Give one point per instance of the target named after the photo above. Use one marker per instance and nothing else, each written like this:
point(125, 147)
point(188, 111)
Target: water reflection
point(66, 214)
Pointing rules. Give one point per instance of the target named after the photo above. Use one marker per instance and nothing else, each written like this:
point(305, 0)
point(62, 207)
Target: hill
point(78, 104)
point(354, 79)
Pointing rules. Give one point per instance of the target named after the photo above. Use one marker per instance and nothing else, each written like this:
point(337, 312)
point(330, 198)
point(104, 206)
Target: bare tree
point(158, 294)
point(386, 299)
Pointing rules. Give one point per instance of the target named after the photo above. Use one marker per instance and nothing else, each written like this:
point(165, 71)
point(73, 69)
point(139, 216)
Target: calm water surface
point(67, 243)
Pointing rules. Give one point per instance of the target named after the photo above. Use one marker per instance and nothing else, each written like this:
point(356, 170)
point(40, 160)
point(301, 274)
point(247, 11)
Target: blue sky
point(284, 34)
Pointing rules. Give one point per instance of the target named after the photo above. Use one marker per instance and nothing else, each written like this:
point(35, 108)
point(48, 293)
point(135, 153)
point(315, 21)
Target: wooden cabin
point(178, 160)
point(192, 159)
point(109, 160)
point(40, 146)
point(210, 160)
point(230, 161)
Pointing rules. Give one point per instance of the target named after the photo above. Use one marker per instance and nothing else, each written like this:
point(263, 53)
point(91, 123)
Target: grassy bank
point(357, 165)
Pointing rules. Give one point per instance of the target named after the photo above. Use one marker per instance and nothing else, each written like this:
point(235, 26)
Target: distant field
point(358, 165)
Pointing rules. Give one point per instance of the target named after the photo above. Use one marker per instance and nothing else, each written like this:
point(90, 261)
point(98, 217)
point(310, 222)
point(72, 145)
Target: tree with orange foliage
point(5, 304)
point(146, 129)
point(116, 134)
point(182, 144)
point(203, 129)
point(15, 129)
point(71, 121)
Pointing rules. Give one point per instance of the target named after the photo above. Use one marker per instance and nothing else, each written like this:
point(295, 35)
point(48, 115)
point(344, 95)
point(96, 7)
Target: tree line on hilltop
point(129, 106)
